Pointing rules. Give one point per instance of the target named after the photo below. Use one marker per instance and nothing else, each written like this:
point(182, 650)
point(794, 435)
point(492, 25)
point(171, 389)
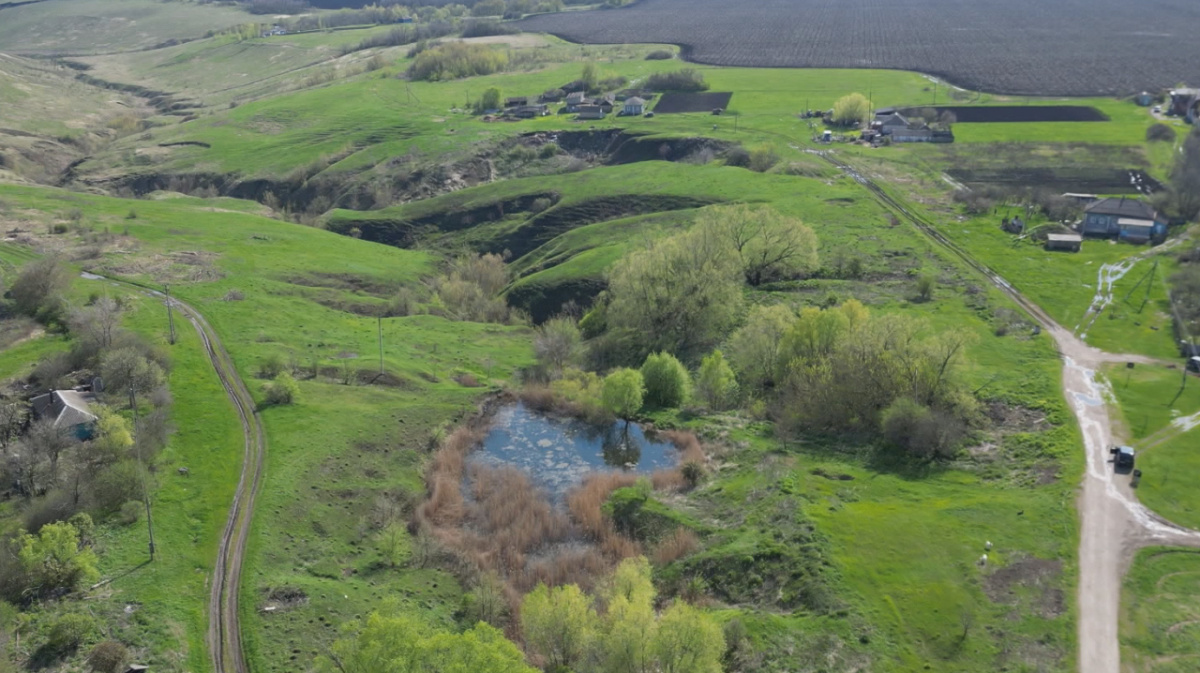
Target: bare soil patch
point(676, 102)
point(1037, 576)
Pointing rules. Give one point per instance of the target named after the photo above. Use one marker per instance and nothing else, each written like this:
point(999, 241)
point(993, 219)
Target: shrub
point(693, 473)
point(68, 633)
point(1160, 133)
point(926, 283)
point(271, 366)
point(623, 392)
point(687, 79)
point(282, 390)
point(108, 656)
point(660, 55)
point(131, 511)
point(38, 289)
point(679, 544)
point(666, 380)
point(54, 561)
point(455, 60)
point(919, 430)
point(763, 158)
point(716, 382)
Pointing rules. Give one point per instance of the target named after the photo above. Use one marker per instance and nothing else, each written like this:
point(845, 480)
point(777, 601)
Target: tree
point(716, 382)
point(491, 99)
point(557, 343)
point(630, 628)
point(688, 641)
point(388, 642)
point(488, 8)
point(13, 414)
point(283, 390)
point(590, 78)
point(393, 543)
point(53, 559)
point(558, 624)
point(926, 283)
point(126, 369)
point(852, 109)
point(46, 441)
point(1185, 178)
point(680, 294)
point(623, 392)
point(38, 289)
point(666, 379)
point(754, 350)
point(487, 602)
point(98, 323)
point(768, 244)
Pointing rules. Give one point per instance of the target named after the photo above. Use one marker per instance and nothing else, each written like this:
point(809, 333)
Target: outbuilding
point(592, 112)
point(1064, 242)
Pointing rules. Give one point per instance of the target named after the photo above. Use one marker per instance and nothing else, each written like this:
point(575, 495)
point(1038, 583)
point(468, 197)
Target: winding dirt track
point(1113, 524)
point(224, 624)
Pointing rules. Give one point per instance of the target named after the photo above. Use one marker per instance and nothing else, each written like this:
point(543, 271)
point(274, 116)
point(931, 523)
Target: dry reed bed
point(504, 524)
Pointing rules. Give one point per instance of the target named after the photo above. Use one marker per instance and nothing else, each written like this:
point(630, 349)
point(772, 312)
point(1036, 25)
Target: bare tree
point(97, 323)
point(557, 343)
point(13, 415)
point(47, 441)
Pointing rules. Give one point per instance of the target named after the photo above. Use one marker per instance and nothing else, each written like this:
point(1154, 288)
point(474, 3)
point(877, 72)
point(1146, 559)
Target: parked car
point(1157, 109)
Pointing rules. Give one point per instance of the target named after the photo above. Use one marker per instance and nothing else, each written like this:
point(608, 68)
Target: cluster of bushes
point(454, 60)
point(409, 33)
point(686, 79)
point(1185, 294)
point(985, 199)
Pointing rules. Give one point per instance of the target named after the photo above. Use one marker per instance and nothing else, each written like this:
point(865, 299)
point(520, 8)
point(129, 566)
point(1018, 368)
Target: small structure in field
point(592, 112)
point(901, 129)
point(69, 410)
point(1081, 199)
point(531, 111)
point(575, 100)
point(1144, 99)
point(1126, 219)
point(634, 106)
point(517, 101)
point(1064, 242)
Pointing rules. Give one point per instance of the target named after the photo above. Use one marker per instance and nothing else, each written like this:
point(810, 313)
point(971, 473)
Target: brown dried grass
point(679, 544)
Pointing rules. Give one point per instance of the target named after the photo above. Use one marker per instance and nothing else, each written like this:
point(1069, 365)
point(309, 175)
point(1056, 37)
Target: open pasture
point(1018, 47)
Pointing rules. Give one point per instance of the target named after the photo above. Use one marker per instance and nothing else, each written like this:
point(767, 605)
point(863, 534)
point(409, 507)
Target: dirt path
point(224, 625)
point(1113, 524)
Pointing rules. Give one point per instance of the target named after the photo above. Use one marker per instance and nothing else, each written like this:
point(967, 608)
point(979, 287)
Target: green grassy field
point(1167, 485)
point(1159, 616)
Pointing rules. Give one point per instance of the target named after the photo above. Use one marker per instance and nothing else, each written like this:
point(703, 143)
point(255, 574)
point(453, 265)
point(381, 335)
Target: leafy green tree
point(630, 627)
point(54, 560)
point(716, 382)
point(590, 77)
point(491, 99)
point(394, 643)
point(852, 109)
point(38, 289)
point(559, 624)
point(623, 392)
point(283, 390)
point(755, 349)
point(667, 381)
point(127, 368)
point(769, 245)
point(688, 641)
point(68, 632)
point(393, 543)
point(680, 295)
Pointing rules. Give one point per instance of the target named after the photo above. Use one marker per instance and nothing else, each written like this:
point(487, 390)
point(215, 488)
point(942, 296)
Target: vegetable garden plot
point(1077, 180)
point(1100, 47)
point(692, 102)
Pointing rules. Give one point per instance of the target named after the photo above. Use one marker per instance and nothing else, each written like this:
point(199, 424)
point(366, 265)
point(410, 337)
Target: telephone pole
point(141, 459)
point(170, 314)
point(379, 324)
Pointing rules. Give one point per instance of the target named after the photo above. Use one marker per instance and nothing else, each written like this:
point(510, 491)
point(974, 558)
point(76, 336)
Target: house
point(903, 130)
point(606, 101)
point(889, 123)
point(591, 112)
point(1066, 242)
point(1144, 99)
point(519, 101)
point(575, 99)
point(634, 107)
point(1127, 219)
point(69, 410)
point(1185, 103)
point(531, 111)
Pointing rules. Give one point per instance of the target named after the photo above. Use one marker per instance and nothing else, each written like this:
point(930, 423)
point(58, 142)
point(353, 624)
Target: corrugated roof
point(68, 408)
point(1065, 238)
point(1122, 207)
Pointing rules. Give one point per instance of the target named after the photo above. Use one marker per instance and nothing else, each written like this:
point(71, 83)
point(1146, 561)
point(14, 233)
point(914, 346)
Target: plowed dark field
point(1049, 47)
point(692, 102)
point(1020, 113)
point(1060, 179)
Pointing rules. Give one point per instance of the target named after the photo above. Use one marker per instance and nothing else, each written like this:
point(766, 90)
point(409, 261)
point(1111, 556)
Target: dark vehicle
point(1122, 457)
point(1193, 365)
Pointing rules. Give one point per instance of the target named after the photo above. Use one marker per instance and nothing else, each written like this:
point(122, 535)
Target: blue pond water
point(556, 453)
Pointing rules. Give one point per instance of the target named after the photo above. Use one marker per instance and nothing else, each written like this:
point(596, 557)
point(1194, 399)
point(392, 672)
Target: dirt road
point(1113, 524)
point(224, 626)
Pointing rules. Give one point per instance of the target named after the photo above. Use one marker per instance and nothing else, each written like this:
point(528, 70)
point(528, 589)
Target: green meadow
point(1159, 617)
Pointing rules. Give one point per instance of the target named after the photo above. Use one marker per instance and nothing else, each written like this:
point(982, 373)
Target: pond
point(556, 453)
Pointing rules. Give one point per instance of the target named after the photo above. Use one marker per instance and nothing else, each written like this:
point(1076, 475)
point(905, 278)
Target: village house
point(1185, 103)
point(575, 100)
point(69, 410)
point(634, 107)
point(1126, 219)
point(1065, 242)
point(900, 129)
point(531, 111)
point(592, 112)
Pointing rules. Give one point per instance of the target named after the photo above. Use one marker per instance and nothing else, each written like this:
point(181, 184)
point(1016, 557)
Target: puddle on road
point(557, 453)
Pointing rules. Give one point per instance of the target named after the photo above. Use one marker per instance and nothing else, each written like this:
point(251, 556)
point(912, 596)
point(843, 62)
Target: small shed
point(634, 106)
point(531, 111)
point(518, 101)
point(592, 112)
point(575, 100)
point(1144, 99)
point(1064, 242)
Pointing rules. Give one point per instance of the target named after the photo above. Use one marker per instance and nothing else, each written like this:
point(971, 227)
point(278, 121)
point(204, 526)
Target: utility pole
point(170, 314)
point(379, 324)
point(141, 459)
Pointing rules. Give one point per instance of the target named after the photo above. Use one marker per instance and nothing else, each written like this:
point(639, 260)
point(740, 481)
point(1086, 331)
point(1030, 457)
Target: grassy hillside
point(1159, 619)
point(97, 26)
